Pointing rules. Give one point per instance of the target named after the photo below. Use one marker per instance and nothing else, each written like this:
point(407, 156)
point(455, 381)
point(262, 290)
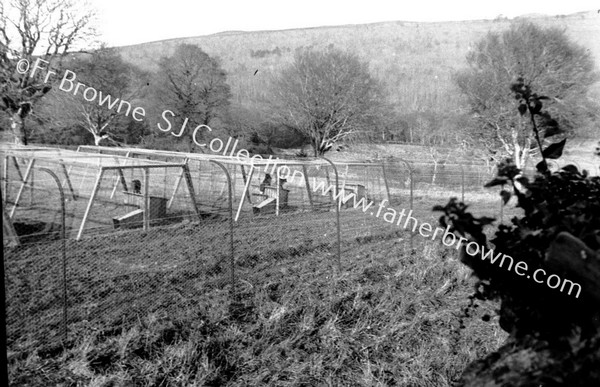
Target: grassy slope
point(416, 60)
point(145, 312)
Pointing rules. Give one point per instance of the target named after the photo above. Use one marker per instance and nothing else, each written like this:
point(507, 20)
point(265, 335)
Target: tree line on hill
point(323, 98)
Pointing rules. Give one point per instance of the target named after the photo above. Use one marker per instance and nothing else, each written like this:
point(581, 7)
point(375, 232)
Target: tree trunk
point(17, 125)
point(521, 157)
point(98, 139)
point(520, 153)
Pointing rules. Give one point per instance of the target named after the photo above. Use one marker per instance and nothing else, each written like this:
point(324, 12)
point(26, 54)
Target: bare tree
point(195, 88)
point(437, 157)
point(326, 95)
point(35, 31)
point(116, 83)
point(549, 63)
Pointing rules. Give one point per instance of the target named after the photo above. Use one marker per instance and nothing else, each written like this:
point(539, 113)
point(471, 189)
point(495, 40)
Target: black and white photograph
point(303, 193)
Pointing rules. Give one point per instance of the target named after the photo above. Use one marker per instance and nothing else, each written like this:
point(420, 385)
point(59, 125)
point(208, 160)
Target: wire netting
point(119, 271)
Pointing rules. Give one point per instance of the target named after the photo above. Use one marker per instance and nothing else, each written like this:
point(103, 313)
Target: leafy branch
point(532, 103)
point(553, 203)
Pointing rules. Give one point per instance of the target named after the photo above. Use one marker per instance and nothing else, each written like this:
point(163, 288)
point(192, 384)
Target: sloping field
point(156, 308)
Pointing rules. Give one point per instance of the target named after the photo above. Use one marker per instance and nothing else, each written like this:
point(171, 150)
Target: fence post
point(68, 180)
point(310, 198)
point(387, 187)
point(5, 179)
point(31, 187)
point(277, 192)
point(411, 188)
point(232, 259)
point(190, 186)
point(146, 216)
point(64, 248)
point(337, 213)
point(177, 183)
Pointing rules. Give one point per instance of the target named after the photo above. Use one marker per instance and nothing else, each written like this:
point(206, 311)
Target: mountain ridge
point(415, 60)
point(238, 32)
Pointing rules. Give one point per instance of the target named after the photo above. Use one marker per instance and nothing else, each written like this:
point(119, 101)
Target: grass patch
point(150, 309)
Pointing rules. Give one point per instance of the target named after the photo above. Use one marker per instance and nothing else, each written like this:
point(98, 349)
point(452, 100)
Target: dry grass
point(390, 317)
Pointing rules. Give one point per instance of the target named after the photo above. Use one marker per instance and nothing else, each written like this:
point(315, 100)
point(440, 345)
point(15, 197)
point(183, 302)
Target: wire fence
point(55, 287)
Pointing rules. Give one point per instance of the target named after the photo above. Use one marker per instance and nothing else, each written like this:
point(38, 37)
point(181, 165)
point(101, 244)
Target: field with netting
point(166, 279)
point(160, 307)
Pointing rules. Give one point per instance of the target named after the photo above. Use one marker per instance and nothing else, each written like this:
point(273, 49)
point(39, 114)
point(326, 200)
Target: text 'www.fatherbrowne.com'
point(395, 217)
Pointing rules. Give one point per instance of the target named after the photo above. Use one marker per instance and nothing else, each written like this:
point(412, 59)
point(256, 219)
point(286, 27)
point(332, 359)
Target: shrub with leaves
point(552, 63)
point(567, 200)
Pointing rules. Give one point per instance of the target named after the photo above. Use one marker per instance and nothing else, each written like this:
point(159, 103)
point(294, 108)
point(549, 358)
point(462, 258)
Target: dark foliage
point(567, 200)
point(551, 62)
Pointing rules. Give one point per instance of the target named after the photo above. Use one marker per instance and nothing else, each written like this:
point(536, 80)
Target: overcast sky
point(123, 22)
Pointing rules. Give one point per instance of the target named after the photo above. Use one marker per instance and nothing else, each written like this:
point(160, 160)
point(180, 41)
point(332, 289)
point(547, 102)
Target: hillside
point(415, 60)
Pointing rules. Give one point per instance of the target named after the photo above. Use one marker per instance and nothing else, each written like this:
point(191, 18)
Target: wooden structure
point(72, 166)
point(274, 198)
point(157, 210)
point(364, 179)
